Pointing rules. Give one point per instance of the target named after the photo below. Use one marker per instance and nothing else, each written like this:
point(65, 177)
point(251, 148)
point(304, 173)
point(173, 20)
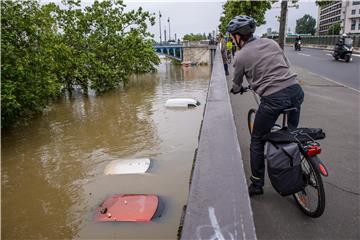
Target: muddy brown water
point(52, 168)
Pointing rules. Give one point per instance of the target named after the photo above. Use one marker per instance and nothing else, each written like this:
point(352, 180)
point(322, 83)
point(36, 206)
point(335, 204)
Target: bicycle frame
point(257, 100)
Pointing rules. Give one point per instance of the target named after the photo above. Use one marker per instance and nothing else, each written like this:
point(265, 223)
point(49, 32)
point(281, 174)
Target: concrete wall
point(218, 204)
point(195, 52)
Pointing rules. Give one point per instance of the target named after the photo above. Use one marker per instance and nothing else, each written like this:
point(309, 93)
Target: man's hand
point(236, 90)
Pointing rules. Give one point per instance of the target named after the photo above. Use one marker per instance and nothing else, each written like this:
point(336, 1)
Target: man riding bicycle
point(267, 71)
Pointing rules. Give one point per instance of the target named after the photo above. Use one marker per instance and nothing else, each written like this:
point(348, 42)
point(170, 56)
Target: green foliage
point(334, 29)
point(305, 25)
point(254, 9)
point(28, 78)
point(46, 49)
point(194, 37)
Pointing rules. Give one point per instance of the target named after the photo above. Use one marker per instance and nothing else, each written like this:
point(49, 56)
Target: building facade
point(329, 15)
point(346, 13)
point(351, 17)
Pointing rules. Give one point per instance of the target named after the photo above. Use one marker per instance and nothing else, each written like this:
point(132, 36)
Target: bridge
point(173, 51)
point(197, 53)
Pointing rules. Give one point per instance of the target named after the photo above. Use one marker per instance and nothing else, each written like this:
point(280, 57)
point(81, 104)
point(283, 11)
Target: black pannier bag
point(302, 135)
point(284, 167)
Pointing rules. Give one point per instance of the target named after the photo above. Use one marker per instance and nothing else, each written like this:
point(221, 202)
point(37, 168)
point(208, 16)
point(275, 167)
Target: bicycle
point(311, 200)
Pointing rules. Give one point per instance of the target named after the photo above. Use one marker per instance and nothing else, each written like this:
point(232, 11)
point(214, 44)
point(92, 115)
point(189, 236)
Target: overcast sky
point(190, 16)
point(202, 16)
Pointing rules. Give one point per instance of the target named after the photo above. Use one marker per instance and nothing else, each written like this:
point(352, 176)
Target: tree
point(46, 49)
point(282, 20)
point(255, 9)
point(334, 29)
point(305, 25)
point(194, 37)
point(28, 68)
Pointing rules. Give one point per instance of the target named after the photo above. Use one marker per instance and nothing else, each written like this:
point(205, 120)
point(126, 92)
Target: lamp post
point(160, 24)
point(169, 28)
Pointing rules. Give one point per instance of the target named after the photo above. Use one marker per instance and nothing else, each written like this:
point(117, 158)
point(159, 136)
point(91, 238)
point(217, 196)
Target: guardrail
point(218, 204)
point(327, 40)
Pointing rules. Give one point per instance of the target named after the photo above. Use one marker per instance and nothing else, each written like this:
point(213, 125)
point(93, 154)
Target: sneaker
point(255, 190)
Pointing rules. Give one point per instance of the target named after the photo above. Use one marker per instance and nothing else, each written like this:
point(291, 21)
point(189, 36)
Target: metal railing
point(325, 40)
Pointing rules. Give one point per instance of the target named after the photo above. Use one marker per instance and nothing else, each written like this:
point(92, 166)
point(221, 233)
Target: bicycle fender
point(319, 166)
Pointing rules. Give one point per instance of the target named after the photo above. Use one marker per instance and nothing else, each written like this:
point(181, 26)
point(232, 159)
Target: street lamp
point(160, 24)
point(169, 28)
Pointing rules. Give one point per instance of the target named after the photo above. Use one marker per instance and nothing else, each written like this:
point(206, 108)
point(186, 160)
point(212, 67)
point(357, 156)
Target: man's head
point(241, 29)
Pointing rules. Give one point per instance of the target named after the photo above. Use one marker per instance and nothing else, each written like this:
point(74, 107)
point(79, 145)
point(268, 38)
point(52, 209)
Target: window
point(353, 12)
point(356, 3)
point(353, 24)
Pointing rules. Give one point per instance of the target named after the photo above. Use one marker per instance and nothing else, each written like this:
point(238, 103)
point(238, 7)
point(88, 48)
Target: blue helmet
point(242, 25)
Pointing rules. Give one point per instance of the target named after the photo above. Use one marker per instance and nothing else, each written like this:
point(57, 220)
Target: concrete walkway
point(335, 109)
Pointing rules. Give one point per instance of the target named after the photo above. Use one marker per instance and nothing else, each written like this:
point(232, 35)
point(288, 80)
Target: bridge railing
point(218, 205)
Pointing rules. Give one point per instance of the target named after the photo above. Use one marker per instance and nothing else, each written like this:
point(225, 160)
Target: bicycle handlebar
point(247, 88)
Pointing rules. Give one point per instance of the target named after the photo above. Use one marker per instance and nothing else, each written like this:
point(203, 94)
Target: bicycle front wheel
point(311, 200)
point(251, 119)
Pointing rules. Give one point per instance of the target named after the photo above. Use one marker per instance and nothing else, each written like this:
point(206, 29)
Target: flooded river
point(53, 168)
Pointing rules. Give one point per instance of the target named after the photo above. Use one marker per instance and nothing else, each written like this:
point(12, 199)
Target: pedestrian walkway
point(335, 109)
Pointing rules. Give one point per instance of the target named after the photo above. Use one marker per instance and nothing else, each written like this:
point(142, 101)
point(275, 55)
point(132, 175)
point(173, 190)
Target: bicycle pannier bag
point(284, 168)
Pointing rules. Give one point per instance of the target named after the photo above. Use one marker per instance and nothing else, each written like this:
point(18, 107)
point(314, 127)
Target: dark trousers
point(268, 112)
point(226, 68)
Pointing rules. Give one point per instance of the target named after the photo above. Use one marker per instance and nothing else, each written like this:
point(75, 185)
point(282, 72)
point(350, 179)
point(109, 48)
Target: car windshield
point(348, 41)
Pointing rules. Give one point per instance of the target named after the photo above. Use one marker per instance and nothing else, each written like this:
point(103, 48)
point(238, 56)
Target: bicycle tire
point(251, 118)
point(319, 210)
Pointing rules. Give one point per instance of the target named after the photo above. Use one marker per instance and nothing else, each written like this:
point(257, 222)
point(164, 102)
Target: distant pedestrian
point(223, 53)
point(267, 71)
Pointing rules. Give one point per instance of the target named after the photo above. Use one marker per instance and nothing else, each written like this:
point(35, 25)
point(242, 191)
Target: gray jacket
point(265, 66)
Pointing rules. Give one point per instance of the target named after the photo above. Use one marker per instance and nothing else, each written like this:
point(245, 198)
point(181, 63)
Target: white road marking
point(218, 231)
point(215, 224)
point(304, 54)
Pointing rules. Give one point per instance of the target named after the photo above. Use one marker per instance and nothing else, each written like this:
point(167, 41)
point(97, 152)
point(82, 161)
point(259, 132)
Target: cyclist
point(267, 71)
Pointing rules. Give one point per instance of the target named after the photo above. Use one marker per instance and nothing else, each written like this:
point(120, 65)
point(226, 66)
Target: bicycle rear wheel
point(311, 200)
point(251, 119)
